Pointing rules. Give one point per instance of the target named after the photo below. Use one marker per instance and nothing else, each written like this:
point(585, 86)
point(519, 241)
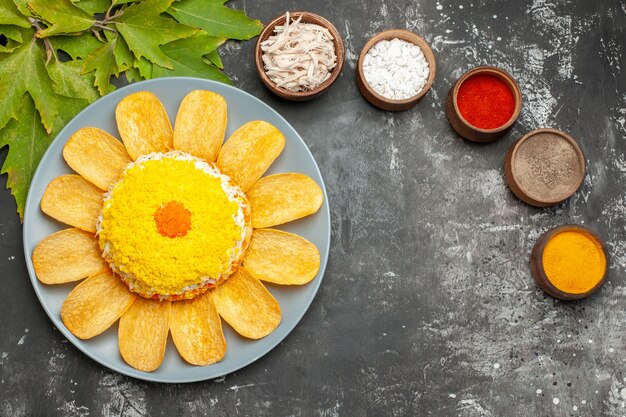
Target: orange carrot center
point(172, 219)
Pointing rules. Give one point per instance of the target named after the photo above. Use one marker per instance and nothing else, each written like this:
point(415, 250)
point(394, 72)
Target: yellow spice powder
point(574, 261)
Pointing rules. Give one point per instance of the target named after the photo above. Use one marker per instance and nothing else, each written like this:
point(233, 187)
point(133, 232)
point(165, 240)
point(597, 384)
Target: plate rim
point(147, 376)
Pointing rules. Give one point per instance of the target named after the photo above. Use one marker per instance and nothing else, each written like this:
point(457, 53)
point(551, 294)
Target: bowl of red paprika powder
point(484, 104)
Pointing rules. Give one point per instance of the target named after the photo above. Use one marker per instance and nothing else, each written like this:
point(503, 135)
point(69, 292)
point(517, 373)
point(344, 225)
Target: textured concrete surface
point(427, 307)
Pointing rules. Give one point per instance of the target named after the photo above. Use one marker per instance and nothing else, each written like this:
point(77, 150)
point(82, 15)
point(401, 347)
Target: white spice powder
point(396, 69)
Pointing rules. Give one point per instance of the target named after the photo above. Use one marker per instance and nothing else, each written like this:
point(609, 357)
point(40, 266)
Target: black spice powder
point(547, 167)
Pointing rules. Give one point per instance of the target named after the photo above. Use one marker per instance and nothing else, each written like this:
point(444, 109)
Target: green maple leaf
point(70, 82)
point(22, 6)
point(102, 61)
point(124, 58)
point(215, 18)
point(186, 57)
point(12, 38)
point(144, 30)
point(93, 6)
point(24, 71)
point(76, 46)
point(27, 141)
point(198, 69)
point(215, 59)
point(62, 15)
point(193, 47)
point(10, 46)
point(144, 67)
point(11, 32)
point(132, 75)
point(26, 146)
point(10, 15)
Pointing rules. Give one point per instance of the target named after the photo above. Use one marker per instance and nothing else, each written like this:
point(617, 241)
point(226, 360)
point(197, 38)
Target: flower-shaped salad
point(172, 230)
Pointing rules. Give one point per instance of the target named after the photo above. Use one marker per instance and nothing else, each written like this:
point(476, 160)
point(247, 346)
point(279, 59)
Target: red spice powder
point(172, 219)
point(485, 101)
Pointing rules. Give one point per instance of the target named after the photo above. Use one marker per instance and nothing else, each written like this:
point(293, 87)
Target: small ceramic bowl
point(462, 126)
point(544, 167)
point(539, 274)
point(300, 95)
point(382, 102)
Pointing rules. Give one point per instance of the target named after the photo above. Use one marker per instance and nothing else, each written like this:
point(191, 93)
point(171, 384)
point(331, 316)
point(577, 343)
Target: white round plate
point(294, 301)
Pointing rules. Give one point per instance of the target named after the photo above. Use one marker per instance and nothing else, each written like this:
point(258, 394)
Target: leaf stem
point(106, 15)
point(103, 27)
point(49, 49)
point(102, 24)
point(117, 14)
point(97, 34)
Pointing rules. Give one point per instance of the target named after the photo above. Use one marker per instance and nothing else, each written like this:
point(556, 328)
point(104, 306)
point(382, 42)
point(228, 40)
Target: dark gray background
point(427, 307)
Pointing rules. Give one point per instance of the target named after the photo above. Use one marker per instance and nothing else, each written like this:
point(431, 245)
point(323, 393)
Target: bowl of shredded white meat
point(299, 55)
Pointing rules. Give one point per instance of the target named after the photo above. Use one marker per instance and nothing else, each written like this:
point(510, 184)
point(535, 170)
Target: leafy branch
point(41, 89)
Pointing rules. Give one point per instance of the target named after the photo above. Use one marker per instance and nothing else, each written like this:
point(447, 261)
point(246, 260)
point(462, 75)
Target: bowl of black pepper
point(544, 167)
point(299, 55)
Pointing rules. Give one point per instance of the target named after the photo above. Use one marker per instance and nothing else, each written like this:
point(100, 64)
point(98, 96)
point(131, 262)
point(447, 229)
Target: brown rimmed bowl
point(529, 196)
point(382, 102)
point(469, 131)
point(539, 274)
point(307, 17)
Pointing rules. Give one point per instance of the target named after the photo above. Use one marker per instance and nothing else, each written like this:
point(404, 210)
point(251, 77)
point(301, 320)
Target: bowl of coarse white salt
point(395, 70)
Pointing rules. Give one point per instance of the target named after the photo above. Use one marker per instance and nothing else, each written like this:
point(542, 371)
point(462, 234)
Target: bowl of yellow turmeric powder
point(569, 262)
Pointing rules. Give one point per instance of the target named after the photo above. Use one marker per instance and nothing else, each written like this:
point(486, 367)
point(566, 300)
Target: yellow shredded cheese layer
point(160, 265)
